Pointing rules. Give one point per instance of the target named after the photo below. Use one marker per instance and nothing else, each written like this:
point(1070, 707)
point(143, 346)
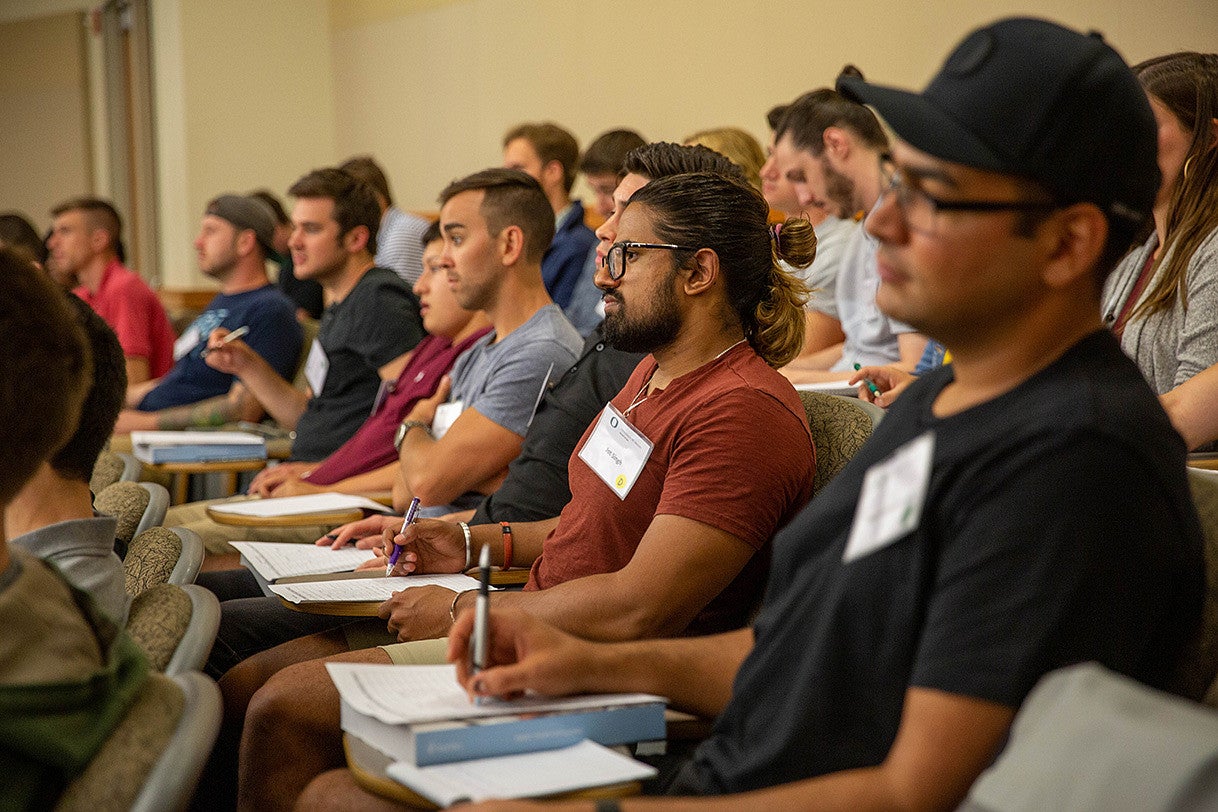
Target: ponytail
point(777, 333)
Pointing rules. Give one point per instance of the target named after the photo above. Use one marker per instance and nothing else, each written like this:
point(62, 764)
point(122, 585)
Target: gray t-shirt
point(871, 337)
point(503, 379)
point(832, 234)
point(83, 550)
point(1174, 344)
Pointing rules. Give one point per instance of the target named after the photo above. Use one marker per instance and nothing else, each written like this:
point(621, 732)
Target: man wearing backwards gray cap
point(235, 241)
point(1019, 510)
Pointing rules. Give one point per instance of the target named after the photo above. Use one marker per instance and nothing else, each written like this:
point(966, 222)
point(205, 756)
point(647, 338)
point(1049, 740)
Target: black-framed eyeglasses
point(622, 253)
point(920, 207)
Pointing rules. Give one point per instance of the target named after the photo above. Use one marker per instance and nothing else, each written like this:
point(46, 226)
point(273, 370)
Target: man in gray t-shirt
point(503, 380)
point(496, 225)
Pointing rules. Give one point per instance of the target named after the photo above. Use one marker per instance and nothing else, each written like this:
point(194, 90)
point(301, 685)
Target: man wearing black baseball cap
point(1020, 510)
point(235, 240)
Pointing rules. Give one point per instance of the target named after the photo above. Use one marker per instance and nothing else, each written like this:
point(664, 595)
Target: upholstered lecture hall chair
point(162, 555)
point(136, 505)
point(840, 426)
point(175, 626)
point(112, 467)
point(153, 759)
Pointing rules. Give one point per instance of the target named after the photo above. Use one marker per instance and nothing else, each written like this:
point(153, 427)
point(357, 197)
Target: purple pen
point(411, 512)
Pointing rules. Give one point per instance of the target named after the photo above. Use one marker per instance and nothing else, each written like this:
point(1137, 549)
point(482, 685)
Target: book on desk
point(447, 748)
point(197, 446)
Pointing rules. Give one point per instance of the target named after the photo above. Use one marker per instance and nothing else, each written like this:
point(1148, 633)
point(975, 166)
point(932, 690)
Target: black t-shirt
point(1057, 528)
point(377, 321)
point(536, 485)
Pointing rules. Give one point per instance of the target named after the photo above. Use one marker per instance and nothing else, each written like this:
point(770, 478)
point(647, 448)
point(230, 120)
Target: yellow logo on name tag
point(620, 482)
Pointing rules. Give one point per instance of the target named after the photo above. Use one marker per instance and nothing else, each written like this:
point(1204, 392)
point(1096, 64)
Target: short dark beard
point(658, 330)
point(840, 189)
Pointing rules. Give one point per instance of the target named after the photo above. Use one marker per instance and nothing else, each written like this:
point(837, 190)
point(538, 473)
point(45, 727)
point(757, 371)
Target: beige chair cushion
point(126, 502)
point(158, 620)
point(117, 773)
point(151, 558)
point(106, 471)
point(839, 428)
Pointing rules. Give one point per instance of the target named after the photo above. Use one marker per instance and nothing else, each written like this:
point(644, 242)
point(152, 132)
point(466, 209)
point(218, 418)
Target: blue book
point(203, 453)
point(425, 744)
point(197, 446)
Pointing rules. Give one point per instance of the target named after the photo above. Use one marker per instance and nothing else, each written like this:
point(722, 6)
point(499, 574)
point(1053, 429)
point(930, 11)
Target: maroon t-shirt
point(731, 450)
point(371, 446)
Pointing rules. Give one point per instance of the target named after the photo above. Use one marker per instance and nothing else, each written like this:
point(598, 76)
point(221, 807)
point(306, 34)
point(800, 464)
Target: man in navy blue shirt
point(235, 241)
point(550, 155)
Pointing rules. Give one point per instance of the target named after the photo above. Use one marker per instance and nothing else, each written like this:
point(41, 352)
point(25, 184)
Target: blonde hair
point(737, 146)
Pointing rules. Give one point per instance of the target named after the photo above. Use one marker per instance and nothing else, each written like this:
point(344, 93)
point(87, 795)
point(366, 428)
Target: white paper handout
point(361, 590)
point(276, 559)
point(829, 388)
point(171, 438)
point(298, 505)
point(526, 775)
point(435, 695)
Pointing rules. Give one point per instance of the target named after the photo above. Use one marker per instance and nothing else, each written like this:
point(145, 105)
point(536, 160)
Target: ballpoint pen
point(411, 512)
point(233, 336)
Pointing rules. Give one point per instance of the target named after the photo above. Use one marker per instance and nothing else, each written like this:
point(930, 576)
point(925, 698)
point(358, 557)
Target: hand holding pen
point(411, 513)
point(881, 384)
point(226, 340)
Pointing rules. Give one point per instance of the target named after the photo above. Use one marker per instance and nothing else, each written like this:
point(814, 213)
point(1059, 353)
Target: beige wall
point(245, 98)
point(44, 143)
point(429, 88)
point(256, 92)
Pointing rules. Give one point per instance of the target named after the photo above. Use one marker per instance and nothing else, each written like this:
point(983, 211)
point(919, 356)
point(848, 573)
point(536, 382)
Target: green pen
point(875, 390)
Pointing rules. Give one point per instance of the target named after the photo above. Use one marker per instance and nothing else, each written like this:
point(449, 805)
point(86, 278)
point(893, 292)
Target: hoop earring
point(1187, 166)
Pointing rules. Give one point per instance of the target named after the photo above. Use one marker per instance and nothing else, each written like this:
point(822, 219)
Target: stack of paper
point(363, 590)
point(421, 717)
point(270, 561)
point(527, 775)
point(829, 388)
point(197, 446)
point(298, 505)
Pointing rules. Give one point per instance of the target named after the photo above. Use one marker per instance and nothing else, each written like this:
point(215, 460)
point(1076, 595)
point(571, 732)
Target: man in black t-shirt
point(1023, 509)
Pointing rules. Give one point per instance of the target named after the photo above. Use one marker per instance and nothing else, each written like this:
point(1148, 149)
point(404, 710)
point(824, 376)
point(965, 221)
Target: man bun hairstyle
point(807, 118)
point(728, 216)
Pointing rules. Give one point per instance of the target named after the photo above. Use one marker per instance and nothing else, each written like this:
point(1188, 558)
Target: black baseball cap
point(1031, 98)
point(248, 212)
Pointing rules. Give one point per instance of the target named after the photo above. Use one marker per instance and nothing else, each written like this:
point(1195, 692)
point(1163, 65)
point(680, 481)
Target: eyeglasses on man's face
point(921, 208)
point(625, 253)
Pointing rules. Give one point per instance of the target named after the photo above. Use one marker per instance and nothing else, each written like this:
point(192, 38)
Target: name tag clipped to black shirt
point(616, 451)
point(317, 367)
point(890, 505)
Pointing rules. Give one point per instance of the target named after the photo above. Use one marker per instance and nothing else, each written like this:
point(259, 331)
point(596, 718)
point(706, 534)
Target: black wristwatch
point(403, 428)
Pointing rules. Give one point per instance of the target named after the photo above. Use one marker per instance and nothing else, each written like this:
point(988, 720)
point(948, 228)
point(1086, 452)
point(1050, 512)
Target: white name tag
point(317, 366)
point(446, 415)
point(616, 451)
point(186, 342)
point(890, 505)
